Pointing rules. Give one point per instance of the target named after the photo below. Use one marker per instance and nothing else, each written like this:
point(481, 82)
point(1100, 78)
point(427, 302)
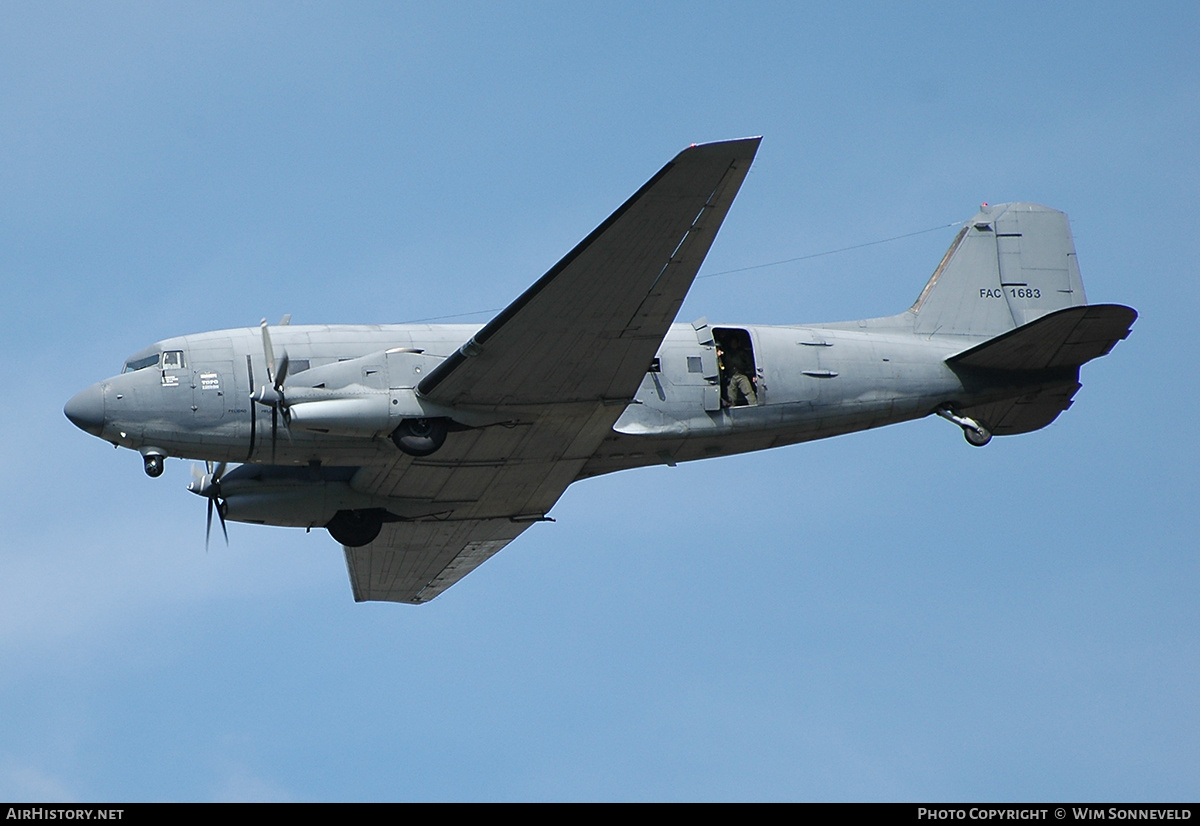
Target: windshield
point(140, 362)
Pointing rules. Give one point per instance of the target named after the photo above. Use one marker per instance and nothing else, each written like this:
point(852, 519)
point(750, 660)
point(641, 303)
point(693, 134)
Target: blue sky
point(890, 615)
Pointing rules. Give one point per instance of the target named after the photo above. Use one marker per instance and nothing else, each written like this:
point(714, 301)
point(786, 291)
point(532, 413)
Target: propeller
point(207, 483)
point(271, 394)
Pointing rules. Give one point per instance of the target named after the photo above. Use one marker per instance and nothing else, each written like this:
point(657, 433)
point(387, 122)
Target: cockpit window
point(172, 360)
point(141, 363)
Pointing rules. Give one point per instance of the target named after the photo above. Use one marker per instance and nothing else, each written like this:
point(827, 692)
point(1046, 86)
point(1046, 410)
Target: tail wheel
point(420, 437)
point(976, 433)
point(977, 437)
point(355, 528)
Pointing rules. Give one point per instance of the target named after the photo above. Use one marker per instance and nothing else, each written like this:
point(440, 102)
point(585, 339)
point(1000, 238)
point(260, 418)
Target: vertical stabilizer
point(1010, 264)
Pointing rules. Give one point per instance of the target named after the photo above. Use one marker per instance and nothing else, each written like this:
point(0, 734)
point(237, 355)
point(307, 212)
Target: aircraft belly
point(855, 384)
point(758, 429)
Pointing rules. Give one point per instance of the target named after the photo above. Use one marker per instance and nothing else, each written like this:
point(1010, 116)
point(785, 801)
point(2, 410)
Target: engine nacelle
point(288, 496)
point(365, 416)
point(372, 396)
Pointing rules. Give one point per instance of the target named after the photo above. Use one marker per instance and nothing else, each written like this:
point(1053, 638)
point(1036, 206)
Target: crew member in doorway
point(736, 365)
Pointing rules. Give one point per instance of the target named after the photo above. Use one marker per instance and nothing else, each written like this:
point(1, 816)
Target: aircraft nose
point(86, 410)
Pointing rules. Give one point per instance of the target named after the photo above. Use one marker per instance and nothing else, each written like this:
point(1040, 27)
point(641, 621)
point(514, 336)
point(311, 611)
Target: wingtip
point(751, 139)
point(737, 147)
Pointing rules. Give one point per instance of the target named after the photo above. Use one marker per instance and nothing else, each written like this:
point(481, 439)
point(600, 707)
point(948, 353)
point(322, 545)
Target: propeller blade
point(208, 525)
point(208, 485)
point(282, 374)
point(271, 394)
point(268, 351)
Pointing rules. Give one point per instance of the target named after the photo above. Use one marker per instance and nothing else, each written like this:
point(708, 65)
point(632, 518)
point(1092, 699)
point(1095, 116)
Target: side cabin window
point(172, 360)
point(738, 371)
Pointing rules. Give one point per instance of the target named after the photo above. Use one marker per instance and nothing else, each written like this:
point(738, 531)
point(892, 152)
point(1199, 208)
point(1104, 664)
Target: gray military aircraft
point(424, 449)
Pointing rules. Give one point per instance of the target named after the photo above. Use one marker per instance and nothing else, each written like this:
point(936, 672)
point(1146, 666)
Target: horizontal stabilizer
point(1065, 338)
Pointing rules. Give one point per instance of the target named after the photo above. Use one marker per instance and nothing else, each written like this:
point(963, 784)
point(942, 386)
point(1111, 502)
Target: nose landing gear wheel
point(154, 461)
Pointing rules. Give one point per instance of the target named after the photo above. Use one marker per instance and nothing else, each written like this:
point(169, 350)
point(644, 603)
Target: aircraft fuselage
point(194, 400)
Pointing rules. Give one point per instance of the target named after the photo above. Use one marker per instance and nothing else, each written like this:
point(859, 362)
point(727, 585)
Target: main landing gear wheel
point(420, 437)
point(355, 528)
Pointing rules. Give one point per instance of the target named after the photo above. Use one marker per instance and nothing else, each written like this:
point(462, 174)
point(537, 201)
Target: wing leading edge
point(587, 328)
point(563, 360)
